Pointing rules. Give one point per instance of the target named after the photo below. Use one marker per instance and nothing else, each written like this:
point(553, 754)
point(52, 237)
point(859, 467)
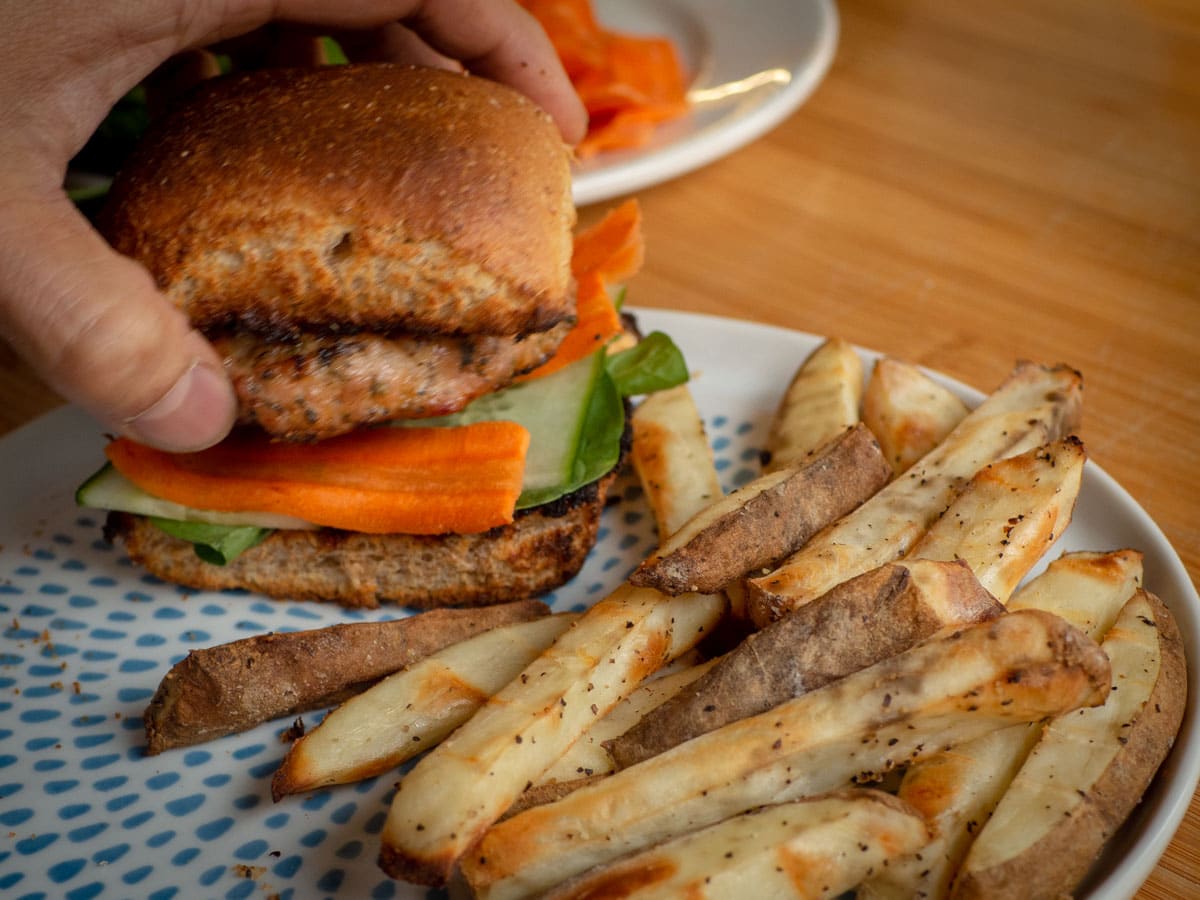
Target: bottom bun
point(543, 548)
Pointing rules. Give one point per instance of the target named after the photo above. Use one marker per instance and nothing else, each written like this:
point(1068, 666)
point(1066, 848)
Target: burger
point(431, 411)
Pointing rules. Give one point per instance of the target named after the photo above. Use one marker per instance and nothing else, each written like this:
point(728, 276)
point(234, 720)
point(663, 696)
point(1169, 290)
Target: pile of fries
point(902, 711)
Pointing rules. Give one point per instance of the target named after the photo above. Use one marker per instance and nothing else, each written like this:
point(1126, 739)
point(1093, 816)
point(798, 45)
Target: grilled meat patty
point(315, 386)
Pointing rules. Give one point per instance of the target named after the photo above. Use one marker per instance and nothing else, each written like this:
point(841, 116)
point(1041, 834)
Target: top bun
point(364, 197)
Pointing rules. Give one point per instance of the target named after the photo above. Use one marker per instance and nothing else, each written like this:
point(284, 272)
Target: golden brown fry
point(818, 847)
point(1088, 771)
point(1019, 667)
point(1009, 515)
point(467, 782)
point(231, 687)
point(756, 526)
point(1034, 406)
point(908, 411)
point(957, 790)
point(820, 403)
point(672, 458)
point(412, 710)
point(858, 623)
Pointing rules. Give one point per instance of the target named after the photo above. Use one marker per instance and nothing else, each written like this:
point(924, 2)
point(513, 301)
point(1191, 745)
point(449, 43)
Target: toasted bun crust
point(367, 197)
point(541, 550)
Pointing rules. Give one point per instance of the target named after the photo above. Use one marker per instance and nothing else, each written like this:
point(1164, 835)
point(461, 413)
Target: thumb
point(94, 326)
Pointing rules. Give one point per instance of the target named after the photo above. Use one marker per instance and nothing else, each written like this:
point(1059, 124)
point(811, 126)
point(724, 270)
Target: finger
point(392, 43)
point(504, 42)
point(95, 327)
point(494, 38)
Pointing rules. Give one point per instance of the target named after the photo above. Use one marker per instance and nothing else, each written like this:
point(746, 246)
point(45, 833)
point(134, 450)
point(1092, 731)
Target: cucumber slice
point(109, 489)
point(557, 411)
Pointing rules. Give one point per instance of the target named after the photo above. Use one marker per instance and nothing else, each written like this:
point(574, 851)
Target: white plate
point(86, 638)
point(752, 64)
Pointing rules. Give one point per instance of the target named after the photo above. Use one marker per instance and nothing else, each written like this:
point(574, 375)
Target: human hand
point(92, 322)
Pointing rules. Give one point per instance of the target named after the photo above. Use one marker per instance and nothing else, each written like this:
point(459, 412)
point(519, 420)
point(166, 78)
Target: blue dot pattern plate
point(85, 638)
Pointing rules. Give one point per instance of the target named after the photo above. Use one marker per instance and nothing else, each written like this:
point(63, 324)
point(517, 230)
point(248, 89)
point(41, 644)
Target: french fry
point(820, 403)
point(908, 411)
point(588, 756)
point(231, 687)
point(759, 524)
point(1088, 589)
point(819, 847)
point(672, 458)
point(1035, 405)
point(440, 807)
point(858, 623)
point(438, 811)
point(957, 790)
point(1009, 514)
point(407, 713)
point(1089, 769)
point(1019, 667)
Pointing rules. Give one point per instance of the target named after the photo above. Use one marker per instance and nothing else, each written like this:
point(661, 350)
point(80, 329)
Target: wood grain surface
point(974, 182)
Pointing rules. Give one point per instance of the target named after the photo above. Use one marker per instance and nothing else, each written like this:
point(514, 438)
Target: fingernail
point(195, 413)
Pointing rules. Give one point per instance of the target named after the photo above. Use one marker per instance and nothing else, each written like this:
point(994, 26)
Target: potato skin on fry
point(1034, 405)
point(947, 690)
point(232, 687)
point(1053, 863)
point(858, 623)
point(755, 527)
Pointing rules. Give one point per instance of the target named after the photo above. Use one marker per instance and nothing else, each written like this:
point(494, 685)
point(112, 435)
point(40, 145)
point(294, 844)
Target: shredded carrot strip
point(597, 320)
point(613, 247)
point(628, 84)
point(464, 479)
point(608, 252)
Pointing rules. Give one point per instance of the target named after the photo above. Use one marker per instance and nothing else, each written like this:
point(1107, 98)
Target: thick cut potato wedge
point(820, 847)
point(467, 782)
point(756, 526)
point(588, 756)
point(231, 687)
point(1017, 668)
point(1009, 515)
point(860, 622)
point(1088, 771)
point(407, 713)
point(957, 790)
point(1088, 589)
point(672, 458)
point(820, 403)
point(908, 411)
point(1034, 406)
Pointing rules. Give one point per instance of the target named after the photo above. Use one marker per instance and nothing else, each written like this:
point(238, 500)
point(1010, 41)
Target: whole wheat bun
point(367, 197)
point(540, 550)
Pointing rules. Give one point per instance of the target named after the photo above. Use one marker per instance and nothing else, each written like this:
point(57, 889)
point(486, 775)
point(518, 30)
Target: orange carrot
point(464, 479)
point(609, 251)
point(597, 320)
point(628, 83)
point(613, 247)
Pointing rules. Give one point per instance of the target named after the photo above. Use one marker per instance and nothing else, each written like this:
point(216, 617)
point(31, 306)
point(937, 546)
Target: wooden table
point(973, 183)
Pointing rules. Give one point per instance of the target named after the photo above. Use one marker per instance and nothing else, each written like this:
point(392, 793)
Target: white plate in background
point(85, 639)
point(752, 65)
